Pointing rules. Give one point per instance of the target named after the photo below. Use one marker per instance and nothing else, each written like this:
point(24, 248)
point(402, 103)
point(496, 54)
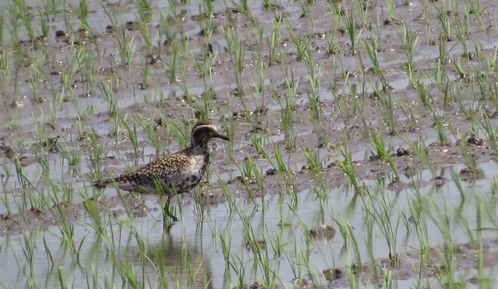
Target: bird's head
point(202, 132)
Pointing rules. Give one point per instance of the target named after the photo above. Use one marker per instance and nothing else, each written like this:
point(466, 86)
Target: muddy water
point(54, 99)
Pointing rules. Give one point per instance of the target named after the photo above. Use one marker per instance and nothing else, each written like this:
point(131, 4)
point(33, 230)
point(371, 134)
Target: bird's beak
point(219, 135)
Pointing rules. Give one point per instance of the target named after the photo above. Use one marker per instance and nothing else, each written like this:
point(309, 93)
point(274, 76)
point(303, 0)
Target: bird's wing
point(167, 165)
point(160, 167)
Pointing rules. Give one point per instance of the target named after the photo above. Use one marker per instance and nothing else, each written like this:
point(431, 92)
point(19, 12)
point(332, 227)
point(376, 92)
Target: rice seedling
point(2, 42)
point(388, 104)
point(347, 167)
point(96, 154)
point(242, 6)
point(280, 165)
point(151, 130)
point(475, 9)
point(316, 107)
point(260, 63)
point(82, 14)
point(236, 51)
point(132, 135)
point(307, 14)
point(410, 41)
point(21, 13)
point(440, 124)
point(251, 173)
point(258, 143)
point(371, 46)
point(145, 12)
point(351, 244)
point(446, 33)
point(313, 160)
point(173, 63)
point(369, 243)
point(419, 149)
point(391, 9)
point(377, 206)
point(490, 132)
point(112, 101)
point(274, 44)
point(382, 151)
point(287, 118)
point(126, 46)
point(444, 223)
point(321, 194)
point(440, 73)
point(425, 97)
point(360, 11)
point(353, 34)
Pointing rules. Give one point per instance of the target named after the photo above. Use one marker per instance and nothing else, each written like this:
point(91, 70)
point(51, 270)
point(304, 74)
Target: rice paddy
point(363, 149)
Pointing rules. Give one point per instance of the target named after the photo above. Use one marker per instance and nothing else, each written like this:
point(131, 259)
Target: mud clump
point(471, 174)
point(323, 232)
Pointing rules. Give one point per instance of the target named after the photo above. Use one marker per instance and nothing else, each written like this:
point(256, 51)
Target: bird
point(172, 174)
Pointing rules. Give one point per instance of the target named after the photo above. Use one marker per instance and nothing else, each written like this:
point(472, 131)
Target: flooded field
point(363, 149)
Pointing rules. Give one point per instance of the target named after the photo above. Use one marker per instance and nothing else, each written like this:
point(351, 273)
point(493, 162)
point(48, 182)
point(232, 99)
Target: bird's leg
point(167, 212)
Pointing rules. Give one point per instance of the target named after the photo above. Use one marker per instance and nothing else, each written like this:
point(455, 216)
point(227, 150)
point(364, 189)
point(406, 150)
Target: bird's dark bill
point(219, 135)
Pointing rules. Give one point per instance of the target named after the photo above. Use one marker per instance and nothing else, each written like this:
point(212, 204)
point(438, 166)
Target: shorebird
point(172, 174)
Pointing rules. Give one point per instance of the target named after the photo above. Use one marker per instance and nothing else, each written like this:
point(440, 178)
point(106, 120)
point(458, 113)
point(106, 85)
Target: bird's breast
point(198, 164)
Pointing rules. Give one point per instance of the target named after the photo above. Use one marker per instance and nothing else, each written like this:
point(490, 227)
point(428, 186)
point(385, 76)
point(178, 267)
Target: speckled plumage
point(172, 174)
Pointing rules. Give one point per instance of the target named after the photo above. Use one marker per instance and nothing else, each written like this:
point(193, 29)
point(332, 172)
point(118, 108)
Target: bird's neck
point(199, 149)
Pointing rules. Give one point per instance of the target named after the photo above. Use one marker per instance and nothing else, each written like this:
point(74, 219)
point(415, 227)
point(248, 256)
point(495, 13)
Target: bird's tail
point(117, 180)
point(102, 183)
